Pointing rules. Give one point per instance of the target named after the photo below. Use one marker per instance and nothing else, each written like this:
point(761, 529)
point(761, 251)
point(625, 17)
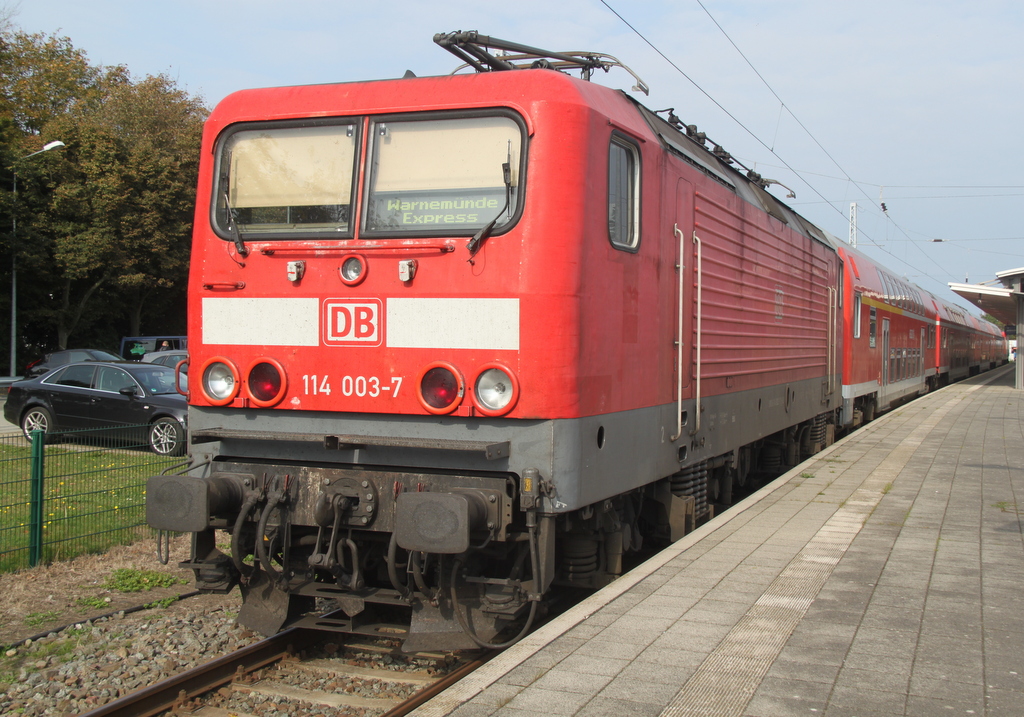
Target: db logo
point(352, 323)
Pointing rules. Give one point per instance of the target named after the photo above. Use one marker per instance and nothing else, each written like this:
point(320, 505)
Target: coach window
point(872, 328)
point(856, 316)
point(623, 193)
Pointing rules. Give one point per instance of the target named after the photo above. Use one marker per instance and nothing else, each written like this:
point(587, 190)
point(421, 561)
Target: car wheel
point(166, 437)
point(38, 418)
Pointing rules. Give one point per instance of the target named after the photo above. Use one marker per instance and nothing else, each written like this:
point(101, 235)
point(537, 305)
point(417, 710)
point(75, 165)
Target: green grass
point(36, 619)
point(94, 602)
point(130, 580)
point(94, 497)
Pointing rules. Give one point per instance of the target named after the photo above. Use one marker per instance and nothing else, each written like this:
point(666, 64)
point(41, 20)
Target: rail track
point(304, 672)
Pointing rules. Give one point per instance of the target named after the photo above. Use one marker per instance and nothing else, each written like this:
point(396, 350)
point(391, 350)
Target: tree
point(993, 320)
point(103, 227)
point(42, 77)
point(122, 212)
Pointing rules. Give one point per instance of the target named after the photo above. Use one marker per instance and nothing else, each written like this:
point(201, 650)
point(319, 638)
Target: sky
point(909, 103)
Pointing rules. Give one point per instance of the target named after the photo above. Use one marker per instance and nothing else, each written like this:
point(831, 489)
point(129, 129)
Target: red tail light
point(266, 382)
point(440, 388)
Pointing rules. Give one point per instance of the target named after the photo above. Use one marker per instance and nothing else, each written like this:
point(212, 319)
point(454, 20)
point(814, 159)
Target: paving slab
point(881, 577)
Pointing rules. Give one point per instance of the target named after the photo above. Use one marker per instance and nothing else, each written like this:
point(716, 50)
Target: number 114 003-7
point(361, 386)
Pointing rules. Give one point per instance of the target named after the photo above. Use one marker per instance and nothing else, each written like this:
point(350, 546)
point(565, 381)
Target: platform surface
point(884, 576)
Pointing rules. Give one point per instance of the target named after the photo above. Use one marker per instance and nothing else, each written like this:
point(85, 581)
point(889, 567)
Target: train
point(459, 342)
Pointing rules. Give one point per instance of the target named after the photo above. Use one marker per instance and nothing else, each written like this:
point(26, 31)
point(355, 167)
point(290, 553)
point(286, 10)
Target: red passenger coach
point(458, 341)
point(901, 341)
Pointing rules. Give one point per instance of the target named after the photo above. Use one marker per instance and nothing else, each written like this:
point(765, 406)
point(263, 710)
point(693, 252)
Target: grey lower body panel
point(583, 460)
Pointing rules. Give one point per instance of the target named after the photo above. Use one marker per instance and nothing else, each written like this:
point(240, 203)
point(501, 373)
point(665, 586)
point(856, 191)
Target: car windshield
point(156, 379)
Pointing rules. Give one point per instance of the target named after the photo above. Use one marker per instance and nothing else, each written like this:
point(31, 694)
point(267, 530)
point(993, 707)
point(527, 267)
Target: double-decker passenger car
point(458, 340)
point(901, 341)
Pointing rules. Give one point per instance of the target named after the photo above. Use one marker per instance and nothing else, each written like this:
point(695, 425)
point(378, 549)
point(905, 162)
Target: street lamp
point(57, 144)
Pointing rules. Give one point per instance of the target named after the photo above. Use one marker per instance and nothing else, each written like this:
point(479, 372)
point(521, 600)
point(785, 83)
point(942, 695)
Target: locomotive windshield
point(442, 175)
point(424, 176)
point(287, 180)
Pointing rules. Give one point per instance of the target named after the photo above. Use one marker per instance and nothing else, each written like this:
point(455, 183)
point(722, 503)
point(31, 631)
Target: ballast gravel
point(88, 665)
point(93, 663)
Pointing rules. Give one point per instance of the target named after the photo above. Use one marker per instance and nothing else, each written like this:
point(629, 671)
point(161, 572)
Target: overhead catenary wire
point(873, 242)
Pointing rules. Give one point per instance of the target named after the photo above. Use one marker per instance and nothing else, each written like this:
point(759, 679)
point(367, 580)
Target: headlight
point(496, 390)
point(352, 269)
point(220, 381)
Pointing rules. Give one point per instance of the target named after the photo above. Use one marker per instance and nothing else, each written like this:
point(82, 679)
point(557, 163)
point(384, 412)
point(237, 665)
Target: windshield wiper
point(240, 246)
point(481, 236)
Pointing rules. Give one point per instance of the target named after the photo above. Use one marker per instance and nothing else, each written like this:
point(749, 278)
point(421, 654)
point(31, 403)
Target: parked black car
point(99, 395)
point(62, 358)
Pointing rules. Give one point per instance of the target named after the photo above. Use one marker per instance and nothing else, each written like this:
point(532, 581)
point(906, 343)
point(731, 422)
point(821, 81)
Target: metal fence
point(77, 492)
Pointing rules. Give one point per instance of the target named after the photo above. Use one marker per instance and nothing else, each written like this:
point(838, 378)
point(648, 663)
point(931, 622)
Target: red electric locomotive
point(457, 340)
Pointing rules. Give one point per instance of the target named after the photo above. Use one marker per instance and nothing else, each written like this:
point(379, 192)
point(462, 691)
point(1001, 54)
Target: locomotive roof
point(686, 142)
point(689, 144)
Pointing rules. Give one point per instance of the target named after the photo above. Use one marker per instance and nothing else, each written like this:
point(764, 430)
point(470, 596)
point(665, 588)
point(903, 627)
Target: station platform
point(884, 576)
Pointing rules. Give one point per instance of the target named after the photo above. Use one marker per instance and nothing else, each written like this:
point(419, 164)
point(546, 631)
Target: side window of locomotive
point(443, 175)
point(283, 181)
point(623, 194)
point(856, 315)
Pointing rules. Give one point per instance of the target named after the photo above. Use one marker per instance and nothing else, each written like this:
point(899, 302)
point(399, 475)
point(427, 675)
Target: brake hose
point(403, 590)
point(246, 571)
point(261, 549)
point(464, 623)
point(417, 574)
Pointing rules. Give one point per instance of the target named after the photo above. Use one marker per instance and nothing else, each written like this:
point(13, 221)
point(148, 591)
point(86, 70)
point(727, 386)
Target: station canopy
point(998, 298)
